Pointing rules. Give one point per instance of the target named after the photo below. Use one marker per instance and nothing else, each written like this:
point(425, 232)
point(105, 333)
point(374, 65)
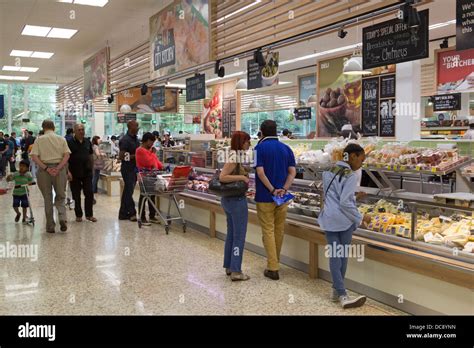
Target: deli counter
point(418, 251)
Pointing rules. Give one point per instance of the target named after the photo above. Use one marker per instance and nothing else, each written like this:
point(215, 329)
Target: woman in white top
point(469, 135)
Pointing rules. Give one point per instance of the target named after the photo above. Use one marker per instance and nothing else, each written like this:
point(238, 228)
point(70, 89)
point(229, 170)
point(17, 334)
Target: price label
point(418, 168)
point(428, 236)
point(433, 170)
point(403, 168)
point(395, 167)
point(389, 167)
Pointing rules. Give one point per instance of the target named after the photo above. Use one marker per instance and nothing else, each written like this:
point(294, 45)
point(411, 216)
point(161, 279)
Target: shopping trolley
point(154, 183)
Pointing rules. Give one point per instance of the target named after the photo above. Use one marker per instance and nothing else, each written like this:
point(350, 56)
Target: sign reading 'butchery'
point(455, 70)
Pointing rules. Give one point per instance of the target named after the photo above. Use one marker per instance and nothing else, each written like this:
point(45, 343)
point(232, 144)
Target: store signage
point(164, 54)
point(125, 118)
point(306, 88)
point(393, 42)
point(464, 24)
point(447, 102)
point(303, 114)
point(387, 86)
point(455, 70)
point(387, 118)
point(370, 106)
point(229, 117)
point(2, 106)
point(179, 37)
point(96, 75)
point(158, 96)
point(196, 87)
point(263, 76)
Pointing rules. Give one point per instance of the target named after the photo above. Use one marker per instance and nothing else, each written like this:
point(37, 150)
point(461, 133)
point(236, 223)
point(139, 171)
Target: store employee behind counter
point(340, 217)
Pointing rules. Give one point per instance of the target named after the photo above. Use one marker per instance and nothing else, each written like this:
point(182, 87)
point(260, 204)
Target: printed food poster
point(455, 70)
point(339, 97)
point(179, 37)
point(306, 88)
point(143, 103)
point(212, 111)
point(96, 75)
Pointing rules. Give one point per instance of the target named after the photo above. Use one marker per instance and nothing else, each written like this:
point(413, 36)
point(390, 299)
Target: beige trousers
point(46, 184)
point(272, 220)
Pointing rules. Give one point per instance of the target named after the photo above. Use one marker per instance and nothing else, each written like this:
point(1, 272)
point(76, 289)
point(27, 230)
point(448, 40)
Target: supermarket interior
point(188, 82)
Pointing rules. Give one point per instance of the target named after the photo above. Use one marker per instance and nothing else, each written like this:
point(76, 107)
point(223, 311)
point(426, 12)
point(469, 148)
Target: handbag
point(231, 189)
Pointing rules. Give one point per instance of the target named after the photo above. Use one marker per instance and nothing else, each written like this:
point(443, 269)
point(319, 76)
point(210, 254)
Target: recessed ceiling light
point(43, 55)
point(19, 68)
point(98, 3)
point(35, 30)
point(19, 53)
point(18, 78)
point(60, 33)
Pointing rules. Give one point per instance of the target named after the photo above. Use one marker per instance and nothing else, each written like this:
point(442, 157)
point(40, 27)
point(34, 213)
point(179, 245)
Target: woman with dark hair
point(146, 159)
point(235, 208)
point(98, 163)
point(340, 217)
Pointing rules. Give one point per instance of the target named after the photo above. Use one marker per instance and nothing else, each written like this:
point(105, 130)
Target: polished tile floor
point(111, 267)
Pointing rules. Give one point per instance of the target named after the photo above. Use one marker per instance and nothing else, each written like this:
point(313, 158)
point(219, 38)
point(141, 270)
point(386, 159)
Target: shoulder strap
point(338, 171)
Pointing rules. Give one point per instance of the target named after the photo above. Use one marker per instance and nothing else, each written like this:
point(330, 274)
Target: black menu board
point(464, 24)
point(447, 102)
point(387, 118)
point(387, 86)
point(303, 114)
point(229, 118)
point(124, 118)
point(393, 42)
point(370, 106)
point(196, 87)
point(254, 75)
point(158, 97)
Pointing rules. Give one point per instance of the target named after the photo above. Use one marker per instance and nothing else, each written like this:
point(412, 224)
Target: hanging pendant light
point(241, 85)
point(354, 65)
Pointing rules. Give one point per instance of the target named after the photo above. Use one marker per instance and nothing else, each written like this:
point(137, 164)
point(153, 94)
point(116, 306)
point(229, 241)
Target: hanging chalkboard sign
point(464, 24)
point(387, 118)
point(387, 86)
point(393, 42)
point(303, 114)
point(370, 106)
point(158, 97)
point(254, 75)
point(228, 117)
point(447, 102)
point(196, 87)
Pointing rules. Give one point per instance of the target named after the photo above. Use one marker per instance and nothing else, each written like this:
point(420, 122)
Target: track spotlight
point(110, 99)
point(444, 44)
point(411, 17)
point(144, 89)
point(258, 57)
point(219, 70)
point(342, 33)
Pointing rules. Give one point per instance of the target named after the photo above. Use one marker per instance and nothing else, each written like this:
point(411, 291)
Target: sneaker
point(154, 220)
point(351, 302)
point(17, 217)
point(63, 225)
point(145, 223)
point(50, 231)
point(239, 276)
point(334, 296)
point(271, 274)
point(133, 218)
point(79, 219)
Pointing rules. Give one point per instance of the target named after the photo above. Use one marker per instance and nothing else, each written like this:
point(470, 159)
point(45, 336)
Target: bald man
point(128, 144)
point(80, 172)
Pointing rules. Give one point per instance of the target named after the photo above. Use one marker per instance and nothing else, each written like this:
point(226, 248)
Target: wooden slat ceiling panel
point(427, 77)
point(270, 19)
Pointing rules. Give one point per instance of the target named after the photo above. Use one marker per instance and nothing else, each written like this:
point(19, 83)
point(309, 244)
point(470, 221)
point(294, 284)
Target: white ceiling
point(124, 24)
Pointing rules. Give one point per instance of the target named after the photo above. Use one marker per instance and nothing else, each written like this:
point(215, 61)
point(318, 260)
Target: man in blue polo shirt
point(275, 168)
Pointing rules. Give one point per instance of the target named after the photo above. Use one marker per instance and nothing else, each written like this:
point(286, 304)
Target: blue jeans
point(237, 214)
point(338, 263)
point(95, 180)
